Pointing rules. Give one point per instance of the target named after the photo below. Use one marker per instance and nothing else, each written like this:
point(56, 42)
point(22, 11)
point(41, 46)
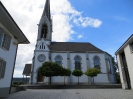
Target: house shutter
point(0, 68)
point(3, 69)
point(1, 35)
point(8, 42)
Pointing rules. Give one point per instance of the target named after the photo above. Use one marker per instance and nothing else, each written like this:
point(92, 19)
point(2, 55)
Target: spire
point(46, 10)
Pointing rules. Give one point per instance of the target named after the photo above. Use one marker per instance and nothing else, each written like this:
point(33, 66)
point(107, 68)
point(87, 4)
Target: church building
point(72, 55)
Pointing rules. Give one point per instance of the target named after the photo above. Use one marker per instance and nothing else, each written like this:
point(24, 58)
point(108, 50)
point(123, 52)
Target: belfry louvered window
point(5, 39)
point(2, 68)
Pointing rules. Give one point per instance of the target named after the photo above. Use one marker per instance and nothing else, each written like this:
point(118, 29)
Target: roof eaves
point(14, 23)
point(123, 44)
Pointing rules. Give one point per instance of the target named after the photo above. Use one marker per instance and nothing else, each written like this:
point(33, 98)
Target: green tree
point(50, 69)
point(116, 71)
point(66, 72)
point(92, 72)
point(78, 73)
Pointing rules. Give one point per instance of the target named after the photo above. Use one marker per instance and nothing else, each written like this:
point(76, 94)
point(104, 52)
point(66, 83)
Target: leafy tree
point(92, 72)
point(78, 73)
point(116, 70)
point(50, 69)
point(66, 72)
point(117, 76)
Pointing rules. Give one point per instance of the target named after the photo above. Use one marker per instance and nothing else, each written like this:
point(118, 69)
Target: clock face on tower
point(41, 58)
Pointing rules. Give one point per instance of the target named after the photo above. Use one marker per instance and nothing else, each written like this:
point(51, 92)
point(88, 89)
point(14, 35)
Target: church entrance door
point(40, 78)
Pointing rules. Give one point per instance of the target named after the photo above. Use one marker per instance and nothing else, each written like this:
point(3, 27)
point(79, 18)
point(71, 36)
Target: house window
point(5, 40)
point(131, 47)
point(58, 60)
point(97, 62)
point(2, 68)
point(109, 64)
point(77, 62)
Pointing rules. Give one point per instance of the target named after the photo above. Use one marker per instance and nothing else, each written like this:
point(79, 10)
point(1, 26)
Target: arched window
point(97, 62)
point(77, 62)
point(42, 46)
point(44, 31)
point(58, 60)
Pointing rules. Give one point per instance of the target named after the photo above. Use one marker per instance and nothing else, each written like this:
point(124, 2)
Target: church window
point(2, 68)
point(41, 58)
point(77, 62)
point(96, 62)
point(5, 39)
point(42, 46)
point(44, 31)
point(58, 60)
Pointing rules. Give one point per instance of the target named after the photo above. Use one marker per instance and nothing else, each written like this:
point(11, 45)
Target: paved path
point(73, 94)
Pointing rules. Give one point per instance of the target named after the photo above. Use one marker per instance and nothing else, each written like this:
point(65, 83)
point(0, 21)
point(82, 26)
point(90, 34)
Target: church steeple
point(46, 10)
point(45, 24)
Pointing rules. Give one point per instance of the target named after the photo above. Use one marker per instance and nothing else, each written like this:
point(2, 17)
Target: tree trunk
point(64, 80)
point(78, 80)
point(50, 81)
point(93, 80)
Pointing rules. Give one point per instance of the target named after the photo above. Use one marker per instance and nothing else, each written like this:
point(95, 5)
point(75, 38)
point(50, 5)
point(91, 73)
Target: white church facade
point(72, 55)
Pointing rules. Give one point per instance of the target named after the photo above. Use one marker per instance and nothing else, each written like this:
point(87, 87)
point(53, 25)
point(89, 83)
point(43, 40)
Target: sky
point(107, 24)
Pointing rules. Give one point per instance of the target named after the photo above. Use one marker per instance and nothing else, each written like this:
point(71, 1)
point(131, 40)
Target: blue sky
point(116, 27)
point(107, 24)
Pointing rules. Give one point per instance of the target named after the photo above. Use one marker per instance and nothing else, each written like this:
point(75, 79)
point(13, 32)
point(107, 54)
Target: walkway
point(73, 94)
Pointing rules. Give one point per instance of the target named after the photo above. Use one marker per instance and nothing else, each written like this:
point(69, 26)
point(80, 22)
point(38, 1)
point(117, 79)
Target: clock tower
point(42, 52)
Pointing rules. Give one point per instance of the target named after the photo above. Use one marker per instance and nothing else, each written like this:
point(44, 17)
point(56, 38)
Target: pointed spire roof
point(46, 10)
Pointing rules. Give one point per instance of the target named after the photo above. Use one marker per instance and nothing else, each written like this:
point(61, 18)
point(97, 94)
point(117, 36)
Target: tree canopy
point(77, 72)
point(49, 69)
point(92, 72)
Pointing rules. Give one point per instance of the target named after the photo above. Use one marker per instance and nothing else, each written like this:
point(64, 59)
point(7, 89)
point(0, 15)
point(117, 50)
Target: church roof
point(27, 69)
point(73, 46)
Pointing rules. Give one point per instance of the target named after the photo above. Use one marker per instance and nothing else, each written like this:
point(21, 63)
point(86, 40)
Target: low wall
point(16, 89)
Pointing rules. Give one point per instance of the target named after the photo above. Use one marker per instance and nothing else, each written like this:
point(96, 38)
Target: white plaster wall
point(129, 59)
point(102, 61)
point(101, 78)
point(59, 79)
point(102, 65)
point(111, 75)
point(9, 57)
point(84, 78)
point(38, 64)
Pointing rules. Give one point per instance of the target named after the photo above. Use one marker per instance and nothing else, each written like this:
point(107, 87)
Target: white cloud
point(27, 14)
point(80, 36)
point(87, 21)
